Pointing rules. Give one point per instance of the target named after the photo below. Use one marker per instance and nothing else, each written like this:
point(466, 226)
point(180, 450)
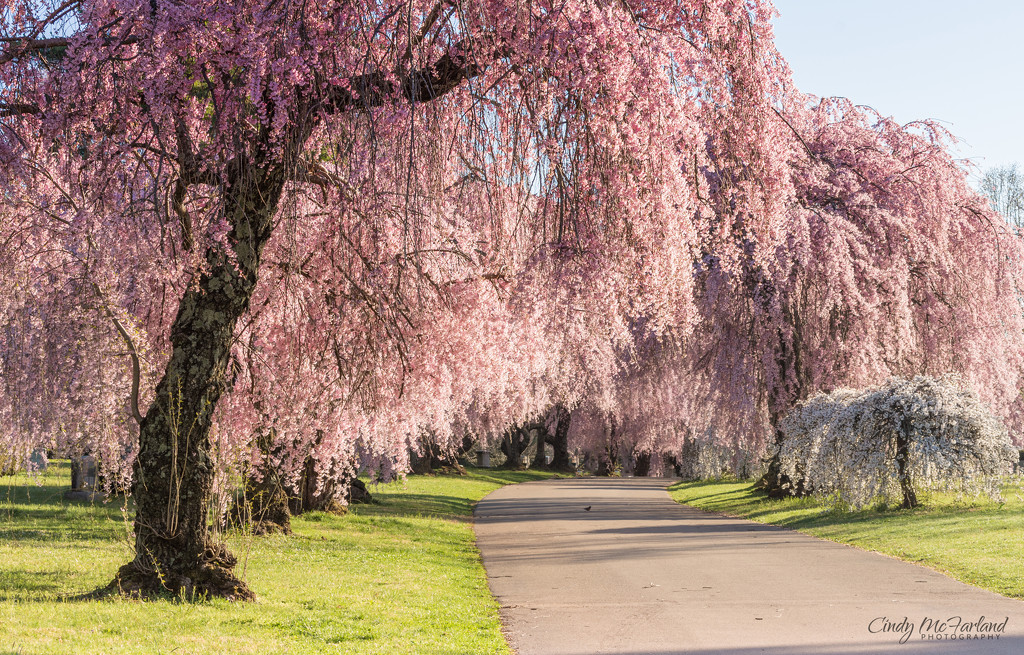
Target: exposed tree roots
point(211, 578)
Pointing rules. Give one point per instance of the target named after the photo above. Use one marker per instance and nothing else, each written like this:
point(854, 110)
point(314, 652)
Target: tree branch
point(19, 47)
point(136, 369)
point(378, 89)
point(17, 109)
point(132, 351)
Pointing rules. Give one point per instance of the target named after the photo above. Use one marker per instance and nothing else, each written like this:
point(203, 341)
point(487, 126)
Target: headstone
point(83, 473)
point(83, 479)
point(38, 460)
point(483, 458)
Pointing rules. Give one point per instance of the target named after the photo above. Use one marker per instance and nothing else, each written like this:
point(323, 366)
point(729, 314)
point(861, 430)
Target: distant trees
point(1004, 188)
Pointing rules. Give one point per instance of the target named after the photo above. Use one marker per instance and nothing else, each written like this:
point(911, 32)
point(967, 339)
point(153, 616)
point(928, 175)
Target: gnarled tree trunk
point(434, 458)
point(173, 474)
point(311, 494)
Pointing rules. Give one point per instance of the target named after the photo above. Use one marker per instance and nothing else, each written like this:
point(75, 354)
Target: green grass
point(402, 576)
point(977, 541)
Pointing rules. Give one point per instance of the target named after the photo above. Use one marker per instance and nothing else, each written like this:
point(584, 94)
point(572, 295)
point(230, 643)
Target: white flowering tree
point(856, 446)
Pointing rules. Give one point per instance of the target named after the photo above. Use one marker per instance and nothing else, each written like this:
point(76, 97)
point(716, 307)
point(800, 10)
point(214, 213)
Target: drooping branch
point(132, 351)
point(136, 369)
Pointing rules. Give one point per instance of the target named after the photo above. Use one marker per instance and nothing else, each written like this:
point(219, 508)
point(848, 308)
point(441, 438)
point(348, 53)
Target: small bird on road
point(587, 508)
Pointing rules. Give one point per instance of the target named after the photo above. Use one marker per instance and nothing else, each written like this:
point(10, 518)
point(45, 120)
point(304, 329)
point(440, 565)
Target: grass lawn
point(403, 576)
point(977, 541)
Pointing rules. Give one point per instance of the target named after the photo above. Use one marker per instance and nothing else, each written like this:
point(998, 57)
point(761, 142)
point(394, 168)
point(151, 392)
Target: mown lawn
point(975, 540)
point(402, 576)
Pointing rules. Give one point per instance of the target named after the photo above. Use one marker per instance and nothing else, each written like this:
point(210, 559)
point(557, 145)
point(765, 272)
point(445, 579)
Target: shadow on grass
point(396, 501)
point(417, 504)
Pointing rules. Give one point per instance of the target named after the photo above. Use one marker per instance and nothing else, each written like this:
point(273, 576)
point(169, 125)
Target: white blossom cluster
point(845, 444)
point(710, 459)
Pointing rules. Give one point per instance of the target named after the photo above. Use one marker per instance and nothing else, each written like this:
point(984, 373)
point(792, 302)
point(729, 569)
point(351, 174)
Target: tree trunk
point(540, 456)
point(903, 466)
point(174, 472)
point(434, 458)
point(358, 494)
point(781, 399)
point(311, 496)
point(608, 460)
point(264, 508)
point(515, 442)
point(560, 443)
point(266, 505)
point(643, 465)
point(774, 482)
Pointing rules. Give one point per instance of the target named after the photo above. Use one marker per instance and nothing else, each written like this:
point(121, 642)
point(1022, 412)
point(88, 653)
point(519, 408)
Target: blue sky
point(961, 63)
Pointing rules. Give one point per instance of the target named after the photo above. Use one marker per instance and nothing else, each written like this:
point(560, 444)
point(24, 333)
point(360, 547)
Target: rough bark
point(358, 494)
point(787, 392)
point(608, 463)
point(173, 473)
point(774, 483)
point(265, 510)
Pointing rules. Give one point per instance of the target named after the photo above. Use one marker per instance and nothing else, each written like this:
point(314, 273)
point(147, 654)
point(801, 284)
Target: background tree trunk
point(173, 473)
point(310, 495)
point(516, 439)
point(540, 456)
point(264, 506)
point(434, 457)
point(643, 465)
point(560, 443)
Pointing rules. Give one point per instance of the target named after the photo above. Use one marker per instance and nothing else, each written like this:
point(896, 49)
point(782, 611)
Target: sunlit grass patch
point(400, 576)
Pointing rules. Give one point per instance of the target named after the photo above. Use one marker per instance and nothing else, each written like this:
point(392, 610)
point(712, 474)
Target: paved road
point(640, 574)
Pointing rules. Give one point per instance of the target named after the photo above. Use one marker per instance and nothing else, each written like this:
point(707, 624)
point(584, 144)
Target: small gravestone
point(83, 479)
point(483, 458)
point(38, 460)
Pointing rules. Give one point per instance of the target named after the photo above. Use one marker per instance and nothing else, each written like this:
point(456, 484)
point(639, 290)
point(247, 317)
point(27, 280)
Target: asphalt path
point(640, 574)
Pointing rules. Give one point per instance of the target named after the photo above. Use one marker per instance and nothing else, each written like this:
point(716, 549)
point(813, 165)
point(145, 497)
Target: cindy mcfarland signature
point(931, 629)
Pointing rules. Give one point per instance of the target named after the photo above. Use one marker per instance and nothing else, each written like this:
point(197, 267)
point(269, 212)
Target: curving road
point(640, 574)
